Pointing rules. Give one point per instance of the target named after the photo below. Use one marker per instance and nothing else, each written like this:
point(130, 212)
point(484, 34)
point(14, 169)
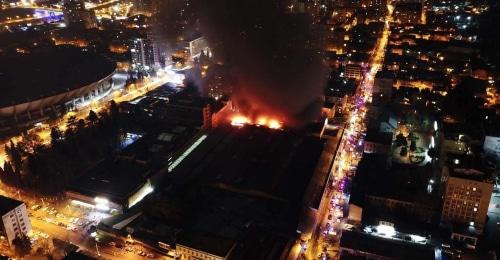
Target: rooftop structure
point(359, 244)
point(266, 160)
point(230, 184)
point(52, 72)
point(112, 185)
point(7, 204)
point(174, 106)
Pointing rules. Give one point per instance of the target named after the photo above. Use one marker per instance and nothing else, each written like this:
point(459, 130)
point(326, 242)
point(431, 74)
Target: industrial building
point(173, 106)
point(120, 183)
point(234, 189)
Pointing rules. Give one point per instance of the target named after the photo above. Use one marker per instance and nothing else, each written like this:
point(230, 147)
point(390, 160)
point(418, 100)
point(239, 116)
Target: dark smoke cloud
point(273, 57)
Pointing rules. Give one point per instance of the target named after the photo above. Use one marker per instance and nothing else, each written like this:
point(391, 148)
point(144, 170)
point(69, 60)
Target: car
point(151, 255)
point(59, 215)
point(36, 207)
point(62, 224)
point(118, 245)
point(142, 254)
point(44, 235)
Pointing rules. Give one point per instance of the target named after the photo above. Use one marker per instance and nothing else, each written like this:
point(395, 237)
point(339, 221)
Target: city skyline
point(249, 129)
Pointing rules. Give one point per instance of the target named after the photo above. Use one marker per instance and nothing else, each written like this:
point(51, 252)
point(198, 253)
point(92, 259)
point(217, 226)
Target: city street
point(324, 243)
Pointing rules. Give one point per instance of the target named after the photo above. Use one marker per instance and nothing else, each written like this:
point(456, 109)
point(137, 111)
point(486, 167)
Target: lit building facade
point(353, 71)
point(15, 220)
point(144, 54)
point(466, 201)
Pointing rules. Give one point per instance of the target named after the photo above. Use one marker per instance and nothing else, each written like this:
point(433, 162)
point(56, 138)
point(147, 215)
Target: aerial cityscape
point(249, 129)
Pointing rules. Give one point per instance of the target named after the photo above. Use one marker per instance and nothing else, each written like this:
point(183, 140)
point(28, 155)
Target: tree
point(8, 171)
point(55, 135)
point(404, 151)
point(2, 175)
point(432, 152)
point(401, 140)
point(92, 117)
point(15, 156)
point(113, 110)
point(413, 145)
point(81, 125)
point(22, 245)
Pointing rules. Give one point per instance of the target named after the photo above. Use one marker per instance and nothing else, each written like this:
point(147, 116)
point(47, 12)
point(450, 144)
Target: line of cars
point(129, 248)
point(58, 218)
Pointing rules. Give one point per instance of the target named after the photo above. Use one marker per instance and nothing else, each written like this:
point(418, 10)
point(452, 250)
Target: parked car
point(36, 207)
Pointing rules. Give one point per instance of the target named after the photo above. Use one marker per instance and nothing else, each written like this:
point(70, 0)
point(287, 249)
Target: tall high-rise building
point(144, 54)
point(75, 15)
point(15, 221)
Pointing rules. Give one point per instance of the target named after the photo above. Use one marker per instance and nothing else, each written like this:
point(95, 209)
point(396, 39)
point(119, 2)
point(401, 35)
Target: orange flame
point(241, 120)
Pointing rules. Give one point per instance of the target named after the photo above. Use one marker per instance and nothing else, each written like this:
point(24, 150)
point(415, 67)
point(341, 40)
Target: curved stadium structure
point(43, 83)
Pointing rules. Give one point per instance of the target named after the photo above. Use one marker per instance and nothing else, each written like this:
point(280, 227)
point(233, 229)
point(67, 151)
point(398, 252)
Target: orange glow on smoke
point(241, 120)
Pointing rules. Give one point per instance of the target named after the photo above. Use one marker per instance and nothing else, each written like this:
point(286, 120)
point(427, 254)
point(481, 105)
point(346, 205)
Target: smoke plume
point(274, 58)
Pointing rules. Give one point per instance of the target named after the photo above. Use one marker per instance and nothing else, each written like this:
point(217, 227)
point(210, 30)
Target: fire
point(241, 120)
point(274, 124)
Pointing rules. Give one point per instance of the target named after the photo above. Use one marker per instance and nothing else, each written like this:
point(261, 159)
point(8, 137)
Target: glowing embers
point(241, 120)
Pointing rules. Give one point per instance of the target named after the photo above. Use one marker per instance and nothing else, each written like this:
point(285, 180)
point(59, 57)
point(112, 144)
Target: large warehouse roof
point(44, 73)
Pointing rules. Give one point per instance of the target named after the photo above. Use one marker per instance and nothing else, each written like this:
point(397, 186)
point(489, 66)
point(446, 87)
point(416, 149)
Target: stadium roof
point(47, 72)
